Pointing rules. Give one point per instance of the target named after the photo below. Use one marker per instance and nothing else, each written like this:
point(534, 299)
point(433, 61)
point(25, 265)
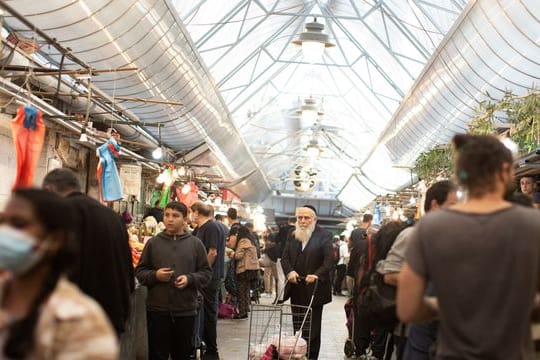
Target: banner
point(130, 178)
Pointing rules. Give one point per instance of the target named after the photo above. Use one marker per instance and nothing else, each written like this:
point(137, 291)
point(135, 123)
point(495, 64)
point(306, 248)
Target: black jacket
point(186, 255)
point(358, 248)
point(104, 268)
point(317, 258)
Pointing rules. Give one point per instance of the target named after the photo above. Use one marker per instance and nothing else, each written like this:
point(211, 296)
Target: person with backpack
point(421, 337)
point(374, 318)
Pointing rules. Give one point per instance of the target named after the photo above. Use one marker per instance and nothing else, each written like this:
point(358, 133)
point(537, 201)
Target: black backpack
point(375, 296)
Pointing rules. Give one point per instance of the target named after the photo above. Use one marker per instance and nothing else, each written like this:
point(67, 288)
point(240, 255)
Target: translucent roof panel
point(495, 48)
point(381, 47)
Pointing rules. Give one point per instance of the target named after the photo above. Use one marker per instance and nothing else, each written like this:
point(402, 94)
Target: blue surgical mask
point(17, 251)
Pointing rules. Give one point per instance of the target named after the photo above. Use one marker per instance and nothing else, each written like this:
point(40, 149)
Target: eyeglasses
point(298, 218)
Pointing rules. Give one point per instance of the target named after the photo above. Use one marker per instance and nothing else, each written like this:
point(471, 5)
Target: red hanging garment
point(28, 132)
point(188, 194)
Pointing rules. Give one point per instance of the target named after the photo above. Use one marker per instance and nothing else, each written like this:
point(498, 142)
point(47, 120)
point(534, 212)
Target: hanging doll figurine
point(110, 188)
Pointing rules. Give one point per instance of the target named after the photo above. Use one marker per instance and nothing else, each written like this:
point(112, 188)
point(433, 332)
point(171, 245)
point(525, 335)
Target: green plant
point(435, 163)
point(521, 113)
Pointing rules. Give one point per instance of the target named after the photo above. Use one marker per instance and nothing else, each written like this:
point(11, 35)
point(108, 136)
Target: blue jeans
point(421, 339)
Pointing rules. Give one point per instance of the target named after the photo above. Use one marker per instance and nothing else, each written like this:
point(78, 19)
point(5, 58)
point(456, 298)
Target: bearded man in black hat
point(307, 262)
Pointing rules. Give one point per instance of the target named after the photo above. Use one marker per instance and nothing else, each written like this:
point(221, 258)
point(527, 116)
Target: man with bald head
point(307, 260)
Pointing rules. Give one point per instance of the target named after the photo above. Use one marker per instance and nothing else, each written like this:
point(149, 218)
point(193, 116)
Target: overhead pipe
point(14, 91)
point(109, 113)
point(150, 35)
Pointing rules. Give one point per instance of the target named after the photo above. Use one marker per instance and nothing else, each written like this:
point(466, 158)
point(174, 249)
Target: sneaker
point(240, 317)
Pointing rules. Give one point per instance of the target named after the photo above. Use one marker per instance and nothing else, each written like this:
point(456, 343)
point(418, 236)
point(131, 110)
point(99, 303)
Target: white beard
point(304, 235)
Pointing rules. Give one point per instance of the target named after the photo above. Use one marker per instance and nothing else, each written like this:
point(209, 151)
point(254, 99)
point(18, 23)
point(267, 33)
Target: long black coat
point(104, 269)
point(318, 260)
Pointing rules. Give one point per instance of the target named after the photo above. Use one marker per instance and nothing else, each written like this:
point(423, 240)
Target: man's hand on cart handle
point(292, 277)
point(311, 278)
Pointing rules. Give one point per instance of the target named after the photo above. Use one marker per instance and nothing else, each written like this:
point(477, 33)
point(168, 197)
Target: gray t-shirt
point(485, 270)
point(396, 256)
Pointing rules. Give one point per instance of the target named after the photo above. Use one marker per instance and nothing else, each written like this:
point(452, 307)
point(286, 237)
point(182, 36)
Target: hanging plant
point(521, 113)
point(487, 113)
point(435, 164)
point(524, 116)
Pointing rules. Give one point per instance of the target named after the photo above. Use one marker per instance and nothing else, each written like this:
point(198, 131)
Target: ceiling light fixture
point(157, 154)
point(309, 111)
point(313, 41)
point(313, 150)
point(83, 137)
point(186, 189)
point(182, 171)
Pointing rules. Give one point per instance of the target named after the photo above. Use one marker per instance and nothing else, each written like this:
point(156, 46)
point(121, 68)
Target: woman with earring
point(42, 315)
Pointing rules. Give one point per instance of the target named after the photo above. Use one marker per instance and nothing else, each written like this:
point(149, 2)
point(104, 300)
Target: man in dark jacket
point(155, 211)
point(308, 259)
point(358, 245)
point(213, 238)
point(173, 266)
point(104, 270)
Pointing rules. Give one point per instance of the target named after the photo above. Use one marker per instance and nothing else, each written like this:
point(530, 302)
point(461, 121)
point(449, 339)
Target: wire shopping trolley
point(280, 331)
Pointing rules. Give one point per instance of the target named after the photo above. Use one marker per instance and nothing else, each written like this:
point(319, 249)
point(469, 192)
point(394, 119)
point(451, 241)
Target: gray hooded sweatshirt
point(186, 255)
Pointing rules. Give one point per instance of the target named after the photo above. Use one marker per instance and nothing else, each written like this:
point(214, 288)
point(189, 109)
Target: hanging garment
point(110, 188)
point(156, 196)
point(188, 197)
point(165, 189)
point(28, 132)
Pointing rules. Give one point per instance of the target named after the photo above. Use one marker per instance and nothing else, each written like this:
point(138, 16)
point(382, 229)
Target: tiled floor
point(233, 335)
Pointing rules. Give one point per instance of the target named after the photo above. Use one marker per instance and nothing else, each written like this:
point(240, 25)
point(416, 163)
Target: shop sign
point(130, 177)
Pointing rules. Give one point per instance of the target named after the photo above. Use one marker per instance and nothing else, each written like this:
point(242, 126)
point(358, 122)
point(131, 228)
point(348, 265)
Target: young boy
point(173, 266)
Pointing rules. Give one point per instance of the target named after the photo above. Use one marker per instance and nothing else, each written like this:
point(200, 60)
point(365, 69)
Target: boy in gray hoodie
point(173, 266)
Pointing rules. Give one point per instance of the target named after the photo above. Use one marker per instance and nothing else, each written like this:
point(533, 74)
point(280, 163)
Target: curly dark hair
point(479, 160)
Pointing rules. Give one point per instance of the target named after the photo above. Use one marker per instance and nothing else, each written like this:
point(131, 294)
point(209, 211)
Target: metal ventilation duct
point(149, 35)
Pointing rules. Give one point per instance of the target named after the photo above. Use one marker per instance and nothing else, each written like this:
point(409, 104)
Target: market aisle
point(233, 334)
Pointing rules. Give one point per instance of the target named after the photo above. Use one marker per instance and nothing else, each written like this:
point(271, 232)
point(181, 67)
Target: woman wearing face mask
point(42, 315)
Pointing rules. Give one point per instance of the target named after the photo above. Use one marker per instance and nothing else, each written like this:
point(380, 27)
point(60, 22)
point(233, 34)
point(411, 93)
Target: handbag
point(230, 279)
point(379, 300)
point(226, 311)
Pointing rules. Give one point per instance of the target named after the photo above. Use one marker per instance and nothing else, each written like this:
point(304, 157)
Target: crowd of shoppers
point(429, 290)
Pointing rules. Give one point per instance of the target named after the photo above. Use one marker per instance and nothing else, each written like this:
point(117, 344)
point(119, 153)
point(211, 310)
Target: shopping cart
point(280, 330)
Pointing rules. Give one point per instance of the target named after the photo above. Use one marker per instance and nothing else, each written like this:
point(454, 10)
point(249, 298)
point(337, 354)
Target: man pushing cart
point(307, 262)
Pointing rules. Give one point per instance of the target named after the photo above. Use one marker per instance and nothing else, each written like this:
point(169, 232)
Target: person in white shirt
point(341, 266)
